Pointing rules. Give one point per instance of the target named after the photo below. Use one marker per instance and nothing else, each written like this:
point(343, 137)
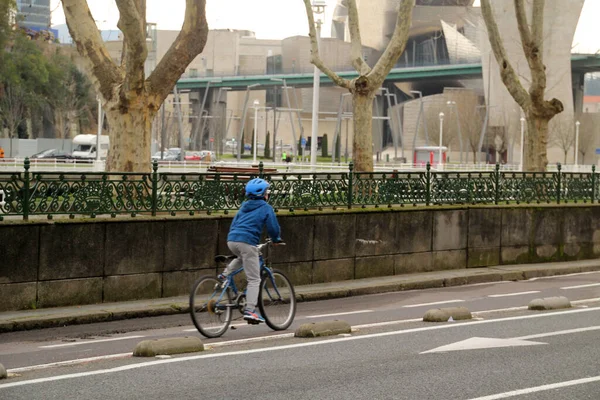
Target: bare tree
point(13, 108)
point(365, 86)
point(471, 129)
point(562, 135)
point(129, 99)
point(589, 130)
point(538, 111)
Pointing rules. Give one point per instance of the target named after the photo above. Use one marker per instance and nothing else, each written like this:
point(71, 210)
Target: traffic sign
point(597, 150)
point(212, 139)
point(303, 142)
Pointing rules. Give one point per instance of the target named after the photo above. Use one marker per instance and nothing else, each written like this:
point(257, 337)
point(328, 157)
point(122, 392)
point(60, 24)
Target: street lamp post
point(441, 137)
point(453, 105)
point(99, 132)
point(522, 143)
point(577, 143)
point(256, 103)
point(318, 7)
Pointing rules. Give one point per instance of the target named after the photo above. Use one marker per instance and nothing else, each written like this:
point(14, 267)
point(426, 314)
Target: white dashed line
point(52, 346)
point(580, 286)
point(513, 294)
point(341, 313)
point(433, 304)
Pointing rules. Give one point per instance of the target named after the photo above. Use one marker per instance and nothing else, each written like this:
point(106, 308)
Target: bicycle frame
point(230, 283)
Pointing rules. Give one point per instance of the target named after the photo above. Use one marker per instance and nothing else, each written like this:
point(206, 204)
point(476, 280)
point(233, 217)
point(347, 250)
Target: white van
point(84, 146)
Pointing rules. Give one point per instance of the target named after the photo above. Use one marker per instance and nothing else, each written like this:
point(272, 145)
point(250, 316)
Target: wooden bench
point(238, 170)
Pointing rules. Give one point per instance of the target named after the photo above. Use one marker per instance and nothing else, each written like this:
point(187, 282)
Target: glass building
point(33, 14)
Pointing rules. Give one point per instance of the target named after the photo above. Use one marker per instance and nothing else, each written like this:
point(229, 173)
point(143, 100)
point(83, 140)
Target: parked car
point(166, 156)
point(203, 155)
point(193, 156)
point(231, 144)
point(53, 154)
point(208, 155)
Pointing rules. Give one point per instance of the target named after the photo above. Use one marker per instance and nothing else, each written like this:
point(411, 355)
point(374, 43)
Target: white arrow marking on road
point(482, 343)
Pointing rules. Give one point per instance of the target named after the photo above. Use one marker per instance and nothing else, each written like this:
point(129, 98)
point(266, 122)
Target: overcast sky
point(264, 17)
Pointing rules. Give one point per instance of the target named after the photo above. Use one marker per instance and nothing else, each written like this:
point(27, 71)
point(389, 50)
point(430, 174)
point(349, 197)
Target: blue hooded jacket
point(248, 223)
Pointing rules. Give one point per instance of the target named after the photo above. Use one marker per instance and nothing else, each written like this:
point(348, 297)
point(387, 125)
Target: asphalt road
point(379, 361)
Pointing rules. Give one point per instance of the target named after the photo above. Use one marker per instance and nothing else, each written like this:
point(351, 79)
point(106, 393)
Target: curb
point(323, 328)
point(24, 324)
point(3, 373)
point(549, 303)
point(316, 292)
point(444, 314)
point(179, 345)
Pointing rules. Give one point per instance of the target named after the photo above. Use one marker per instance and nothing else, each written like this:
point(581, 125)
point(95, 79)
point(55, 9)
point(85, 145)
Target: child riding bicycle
point(244, 236)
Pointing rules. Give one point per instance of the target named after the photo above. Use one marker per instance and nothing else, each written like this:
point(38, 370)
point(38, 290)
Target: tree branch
point(507, 73)
point(397, 44)
point(188, 44)
point(314, 52)
point(106, 74)
point(535, 53)
point(131, 23)
point(357, 60)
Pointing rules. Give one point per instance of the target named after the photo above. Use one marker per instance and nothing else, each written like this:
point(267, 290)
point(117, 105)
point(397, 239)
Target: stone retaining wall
point(57, 263)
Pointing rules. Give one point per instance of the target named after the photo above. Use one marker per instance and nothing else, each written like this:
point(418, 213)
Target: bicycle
point(212, 301)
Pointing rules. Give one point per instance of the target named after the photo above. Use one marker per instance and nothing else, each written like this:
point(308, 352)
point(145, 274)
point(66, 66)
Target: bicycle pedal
point(252, 322)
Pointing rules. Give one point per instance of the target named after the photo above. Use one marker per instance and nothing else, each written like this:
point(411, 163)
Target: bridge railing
point(49, 193)
point(309, 69)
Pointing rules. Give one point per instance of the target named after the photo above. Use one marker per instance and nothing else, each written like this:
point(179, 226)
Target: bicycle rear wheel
point(210, 307)
point(277, 300)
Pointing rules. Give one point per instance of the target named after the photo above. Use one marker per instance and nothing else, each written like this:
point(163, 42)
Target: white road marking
point(70, 362)
point(557, 333)
point(341, 313)
point(376, 324)
point(477, 343)
point(234, 326)
point(594, 300)
point(249, 340)
point(433, 304)
point(537, 389)
point(513, 294)
point(290, 346)
point(500, 310)
point(52, 346)
point(488, 343)
point(580, 286)
point(562, 276)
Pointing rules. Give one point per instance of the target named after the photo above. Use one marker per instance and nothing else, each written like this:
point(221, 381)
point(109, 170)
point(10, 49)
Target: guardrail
point(49, 193)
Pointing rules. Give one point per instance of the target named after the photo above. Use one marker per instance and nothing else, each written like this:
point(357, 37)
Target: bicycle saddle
point(223, 258)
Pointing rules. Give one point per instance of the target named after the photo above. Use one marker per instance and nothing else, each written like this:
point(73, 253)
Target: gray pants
point(248, 258)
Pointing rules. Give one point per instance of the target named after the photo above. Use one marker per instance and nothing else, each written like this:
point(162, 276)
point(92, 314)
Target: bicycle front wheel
point(277, 300)
point(210, 307)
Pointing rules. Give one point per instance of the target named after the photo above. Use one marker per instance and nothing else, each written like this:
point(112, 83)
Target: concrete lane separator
point(168, 346)
point(445, 314)
point(549, 303)
point(323, 328)
point(3, 373)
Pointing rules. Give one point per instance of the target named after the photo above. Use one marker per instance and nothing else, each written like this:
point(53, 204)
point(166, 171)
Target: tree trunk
point(362, 146)
point(536, 157)
point(130, 148)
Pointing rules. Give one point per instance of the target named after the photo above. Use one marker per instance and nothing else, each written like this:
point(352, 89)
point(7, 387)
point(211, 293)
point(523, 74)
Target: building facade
point(34, 14)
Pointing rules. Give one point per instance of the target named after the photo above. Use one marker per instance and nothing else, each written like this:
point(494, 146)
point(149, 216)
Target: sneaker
point(222, 277)
point(253, 317)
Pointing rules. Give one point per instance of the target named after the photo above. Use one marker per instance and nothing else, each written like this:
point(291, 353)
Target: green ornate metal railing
point(26, 193)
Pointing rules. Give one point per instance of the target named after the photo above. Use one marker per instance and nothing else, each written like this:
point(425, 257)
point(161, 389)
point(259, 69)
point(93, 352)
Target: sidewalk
point(60, 316)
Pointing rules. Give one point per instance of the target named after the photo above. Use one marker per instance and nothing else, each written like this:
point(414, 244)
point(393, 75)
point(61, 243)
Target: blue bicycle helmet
point(257, 188)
